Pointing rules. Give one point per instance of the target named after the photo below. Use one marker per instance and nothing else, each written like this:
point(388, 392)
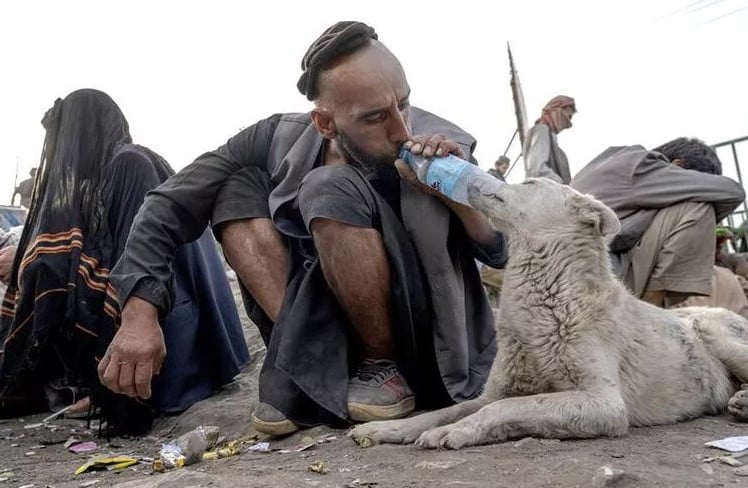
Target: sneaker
point(267, 420)
point(379, 392)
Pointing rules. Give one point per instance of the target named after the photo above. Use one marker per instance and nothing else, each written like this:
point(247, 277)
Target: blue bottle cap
point(406, 156)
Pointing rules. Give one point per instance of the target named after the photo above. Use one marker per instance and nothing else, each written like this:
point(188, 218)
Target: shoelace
point(371, 371)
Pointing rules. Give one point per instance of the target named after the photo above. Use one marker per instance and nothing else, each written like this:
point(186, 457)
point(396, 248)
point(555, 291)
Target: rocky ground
point(674, 455)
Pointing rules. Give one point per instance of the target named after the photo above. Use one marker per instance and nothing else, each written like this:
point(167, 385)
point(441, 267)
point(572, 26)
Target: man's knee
point(698, 216)
point(230, 232)
point(338, 193)
point(338, 181)
point(255, 234)
point(244, 197)
point(689, 229)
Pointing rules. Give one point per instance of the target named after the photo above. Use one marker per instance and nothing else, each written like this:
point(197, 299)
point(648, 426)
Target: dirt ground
point(674, 455)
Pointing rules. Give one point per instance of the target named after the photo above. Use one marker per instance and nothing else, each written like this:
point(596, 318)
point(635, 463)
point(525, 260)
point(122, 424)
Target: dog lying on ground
point(578, 355)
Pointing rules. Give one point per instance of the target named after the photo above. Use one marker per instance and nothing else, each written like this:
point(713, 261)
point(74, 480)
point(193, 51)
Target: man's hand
point(7, 254)
point(476, 224)
point(427, 146)
point(136, 352)
point(433, 145)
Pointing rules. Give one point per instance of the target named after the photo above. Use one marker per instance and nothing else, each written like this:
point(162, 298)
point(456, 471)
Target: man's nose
point(400, 130)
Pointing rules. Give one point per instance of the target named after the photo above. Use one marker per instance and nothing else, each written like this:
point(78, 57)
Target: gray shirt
point(635, 183)
point(287, 147)
point(543, 157)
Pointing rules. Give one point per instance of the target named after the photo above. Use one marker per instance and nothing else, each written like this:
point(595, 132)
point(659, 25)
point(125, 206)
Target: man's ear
point(678, 162)
point(324, 123)
point(595, 214)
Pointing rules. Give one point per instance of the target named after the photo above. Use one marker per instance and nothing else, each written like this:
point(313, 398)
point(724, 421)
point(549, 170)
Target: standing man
point(543, 157)
point(25, 188)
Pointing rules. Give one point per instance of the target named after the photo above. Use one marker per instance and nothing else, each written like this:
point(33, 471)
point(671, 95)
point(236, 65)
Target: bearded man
point(362, 281)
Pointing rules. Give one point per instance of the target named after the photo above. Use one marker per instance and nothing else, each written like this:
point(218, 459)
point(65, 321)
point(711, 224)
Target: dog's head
point(539, 206)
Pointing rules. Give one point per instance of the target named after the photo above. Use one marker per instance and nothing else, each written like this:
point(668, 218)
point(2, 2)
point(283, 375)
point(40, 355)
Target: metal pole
point(15, 182)
point(740, 177)
point(512, 166)
point(516, 131)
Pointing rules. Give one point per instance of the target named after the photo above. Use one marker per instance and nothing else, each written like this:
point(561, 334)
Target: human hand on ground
point(136, 353)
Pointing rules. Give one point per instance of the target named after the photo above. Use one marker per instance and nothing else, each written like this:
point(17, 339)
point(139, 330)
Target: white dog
point(579, 356)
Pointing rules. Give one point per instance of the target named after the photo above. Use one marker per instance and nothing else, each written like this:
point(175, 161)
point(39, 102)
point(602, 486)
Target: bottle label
point(443, 174)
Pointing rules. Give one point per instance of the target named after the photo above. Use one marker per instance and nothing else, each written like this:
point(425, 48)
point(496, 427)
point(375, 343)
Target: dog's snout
point(486, 186)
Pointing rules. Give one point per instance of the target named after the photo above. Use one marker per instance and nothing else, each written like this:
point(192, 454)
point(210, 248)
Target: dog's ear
point(595, 214)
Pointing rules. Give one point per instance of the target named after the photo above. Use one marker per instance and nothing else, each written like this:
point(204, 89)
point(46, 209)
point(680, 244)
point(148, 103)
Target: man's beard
point(381, 166)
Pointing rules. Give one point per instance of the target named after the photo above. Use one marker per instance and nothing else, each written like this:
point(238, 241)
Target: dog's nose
point(485, 184)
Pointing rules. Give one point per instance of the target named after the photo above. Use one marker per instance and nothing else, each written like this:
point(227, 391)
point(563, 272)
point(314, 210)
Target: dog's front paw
point(447, 437)
point(402, 431)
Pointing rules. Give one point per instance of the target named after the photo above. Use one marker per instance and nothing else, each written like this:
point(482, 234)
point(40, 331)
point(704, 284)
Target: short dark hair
point(337, 41)
point(694, 153)
point(502, 160)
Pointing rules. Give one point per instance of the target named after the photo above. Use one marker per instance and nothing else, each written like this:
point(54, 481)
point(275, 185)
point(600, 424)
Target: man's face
point(565, 115)
point(502, 167)
point(367, 97)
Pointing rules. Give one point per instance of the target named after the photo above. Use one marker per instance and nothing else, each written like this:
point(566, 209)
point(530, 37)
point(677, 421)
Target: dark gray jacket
point(287, 146)
point(636, 183)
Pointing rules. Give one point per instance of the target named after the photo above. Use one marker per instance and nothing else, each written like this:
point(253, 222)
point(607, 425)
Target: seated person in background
point(668, 201)
point(542, 155)
point(734, 261)
point(500, 167)
point(727, 292)
point(728, 289)
point(60, 311)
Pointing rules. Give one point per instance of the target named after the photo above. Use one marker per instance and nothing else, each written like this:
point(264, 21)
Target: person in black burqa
point(60, 311)
point(364, 286)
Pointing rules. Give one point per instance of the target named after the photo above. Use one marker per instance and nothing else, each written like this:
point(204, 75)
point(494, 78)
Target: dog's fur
point(578, 355)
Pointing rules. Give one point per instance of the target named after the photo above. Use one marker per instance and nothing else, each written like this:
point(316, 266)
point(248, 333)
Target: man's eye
point(374, 117)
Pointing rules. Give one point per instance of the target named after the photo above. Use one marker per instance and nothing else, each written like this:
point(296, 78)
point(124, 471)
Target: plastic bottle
point(450, 175)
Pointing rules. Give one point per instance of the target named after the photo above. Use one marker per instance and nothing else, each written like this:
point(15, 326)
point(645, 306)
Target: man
point(60, 312)
point(542, 155)
point(668, 201)
point(734, 261)
point(25, 188)
point(727, 286)
point(364, 287)
point(500, 167)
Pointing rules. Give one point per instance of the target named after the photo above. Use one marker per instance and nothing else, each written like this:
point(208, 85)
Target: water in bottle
point(450, 175)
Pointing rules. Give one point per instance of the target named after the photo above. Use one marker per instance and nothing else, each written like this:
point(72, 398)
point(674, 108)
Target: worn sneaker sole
point(282, 427)
point(366, 413)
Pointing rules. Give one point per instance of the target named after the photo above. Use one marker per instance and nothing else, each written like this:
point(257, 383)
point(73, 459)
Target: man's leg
point(356, 268)
point(674, 258)
point(492, 280)
point(257, 253)
point(339, 209)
